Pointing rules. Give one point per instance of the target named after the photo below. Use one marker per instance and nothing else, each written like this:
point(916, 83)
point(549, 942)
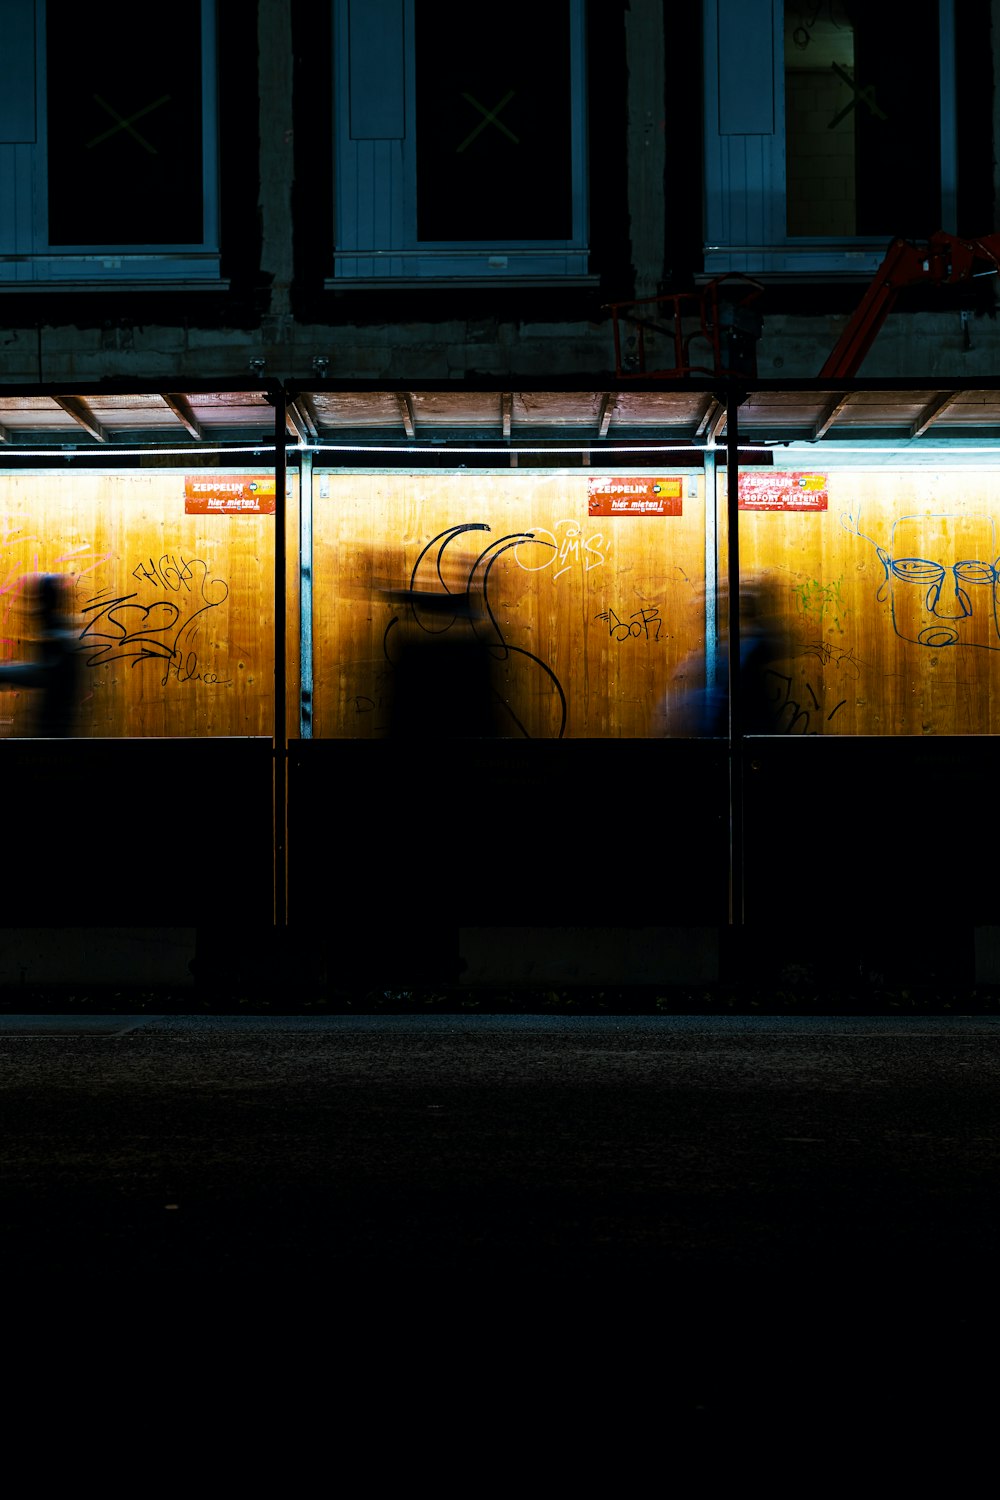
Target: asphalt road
point(680, 1218)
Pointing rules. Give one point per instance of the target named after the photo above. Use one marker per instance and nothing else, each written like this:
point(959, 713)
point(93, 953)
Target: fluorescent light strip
point(99, 450)
point(554, 452)
point(910, 450)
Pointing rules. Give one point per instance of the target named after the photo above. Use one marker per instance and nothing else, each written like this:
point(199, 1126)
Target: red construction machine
point(724, 318)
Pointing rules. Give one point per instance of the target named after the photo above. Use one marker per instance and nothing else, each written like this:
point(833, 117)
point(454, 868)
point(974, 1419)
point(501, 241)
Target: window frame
point(759, 183)
point(29, 260)
point(395, 256)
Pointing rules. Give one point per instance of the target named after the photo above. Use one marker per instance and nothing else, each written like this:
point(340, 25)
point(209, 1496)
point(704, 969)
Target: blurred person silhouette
point(442, 687)
point(443, 644)
point(450, 670)
point(53, 671)
point(441, 696)
point(702, 706)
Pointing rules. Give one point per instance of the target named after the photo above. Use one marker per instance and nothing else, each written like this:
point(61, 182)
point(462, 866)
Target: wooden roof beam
point(932, 411)
point(300, 418)
point(78, 409)
point(181, 408)
point(829, 415)
point(709, 412)
point(716, 421)
point(306, 408)
point(295, 423)
point(405, 403)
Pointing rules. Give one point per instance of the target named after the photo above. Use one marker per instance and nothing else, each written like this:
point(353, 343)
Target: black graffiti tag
point(124, 628)
point(641, 623)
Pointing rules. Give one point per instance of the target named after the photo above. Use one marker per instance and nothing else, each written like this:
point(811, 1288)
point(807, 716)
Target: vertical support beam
point(305, 595)
point(733, 399)
point(645, 50)
point(995, 53)
point(280, 674)
point(948, 86)
point(277, 167)
point(711, 572)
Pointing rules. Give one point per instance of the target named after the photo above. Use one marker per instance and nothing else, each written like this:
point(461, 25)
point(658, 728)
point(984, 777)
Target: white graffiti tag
point(569, 548)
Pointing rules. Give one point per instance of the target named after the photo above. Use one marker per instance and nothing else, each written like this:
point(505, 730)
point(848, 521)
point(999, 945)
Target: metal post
point(733, 400)
point(712, 667)
point(305, 595)
point(948, 86)
point(280, 779)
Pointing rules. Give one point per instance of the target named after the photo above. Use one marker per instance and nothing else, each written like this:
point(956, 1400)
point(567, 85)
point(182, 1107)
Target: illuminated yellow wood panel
point(888, 603)
point(174, 611)
point(582, 620)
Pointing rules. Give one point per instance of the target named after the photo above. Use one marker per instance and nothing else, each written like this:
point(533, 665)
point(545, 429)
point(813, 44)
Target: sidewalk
point(272, 999)
point(780, 1222)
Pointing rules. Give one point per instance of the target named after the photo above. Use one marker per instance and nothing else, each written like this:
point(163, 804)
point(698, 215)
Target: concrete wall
point(128, 956)
point(927, 345)
point(588, 955)
point(59, 346)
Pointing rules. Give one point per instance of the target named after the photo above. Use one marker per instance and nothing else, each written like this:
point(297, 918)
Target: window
point(831, 127)
point(107, 146)
point(460, 147)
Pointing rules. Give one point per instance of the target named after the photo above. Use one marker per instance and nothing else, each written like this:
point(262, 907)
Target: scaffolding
point(713, 331)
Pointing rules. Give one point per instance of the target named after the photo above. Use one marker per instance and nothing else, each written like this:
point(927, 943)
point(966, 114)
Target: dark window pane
point(820, 120)
point(899, 135)
point(974, 111)
point(493, 123)
point(862, 116)
point(124, 124)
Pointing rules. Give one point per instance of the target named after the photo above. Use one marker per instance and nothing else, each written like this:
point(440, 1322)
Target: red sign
point(774, 490)
point(228, 494)
point(635, 497)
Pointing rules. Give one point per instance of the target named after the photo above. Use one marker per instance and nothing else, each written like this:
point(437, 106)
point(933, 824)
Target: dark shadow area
point(430, 837)
point(139, 833)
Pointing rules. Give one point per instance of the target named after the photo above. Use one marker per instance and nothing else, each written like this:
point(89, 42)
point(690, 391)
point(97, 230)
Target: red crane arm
point(943, 259)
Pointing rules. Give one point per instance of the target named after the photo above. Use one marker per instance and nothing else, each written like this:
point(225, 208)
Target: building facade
point(335, 329)
point(298, 186)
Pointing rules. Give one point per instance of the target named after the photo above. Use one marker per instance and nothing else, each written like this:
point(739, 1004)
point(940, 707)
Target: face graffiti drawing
point(941, 580)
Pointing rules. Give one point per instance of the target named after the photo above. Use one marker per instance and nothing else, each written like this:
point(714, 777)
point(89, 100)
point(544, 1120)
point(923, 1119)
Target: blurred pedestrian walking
point(53, 670)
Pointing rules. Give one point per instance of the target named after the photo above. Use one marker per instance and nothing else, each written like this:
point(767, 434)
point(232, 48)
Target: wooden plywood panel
point(887, 602)
point(174, 612)
point(580, 620)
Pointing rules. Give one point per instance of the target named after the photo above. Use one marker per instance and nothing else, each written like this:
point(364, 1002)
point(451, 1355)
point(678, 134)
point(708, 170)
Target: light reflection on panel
point(168, 589)
point(887, 590)
point(516, 605)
